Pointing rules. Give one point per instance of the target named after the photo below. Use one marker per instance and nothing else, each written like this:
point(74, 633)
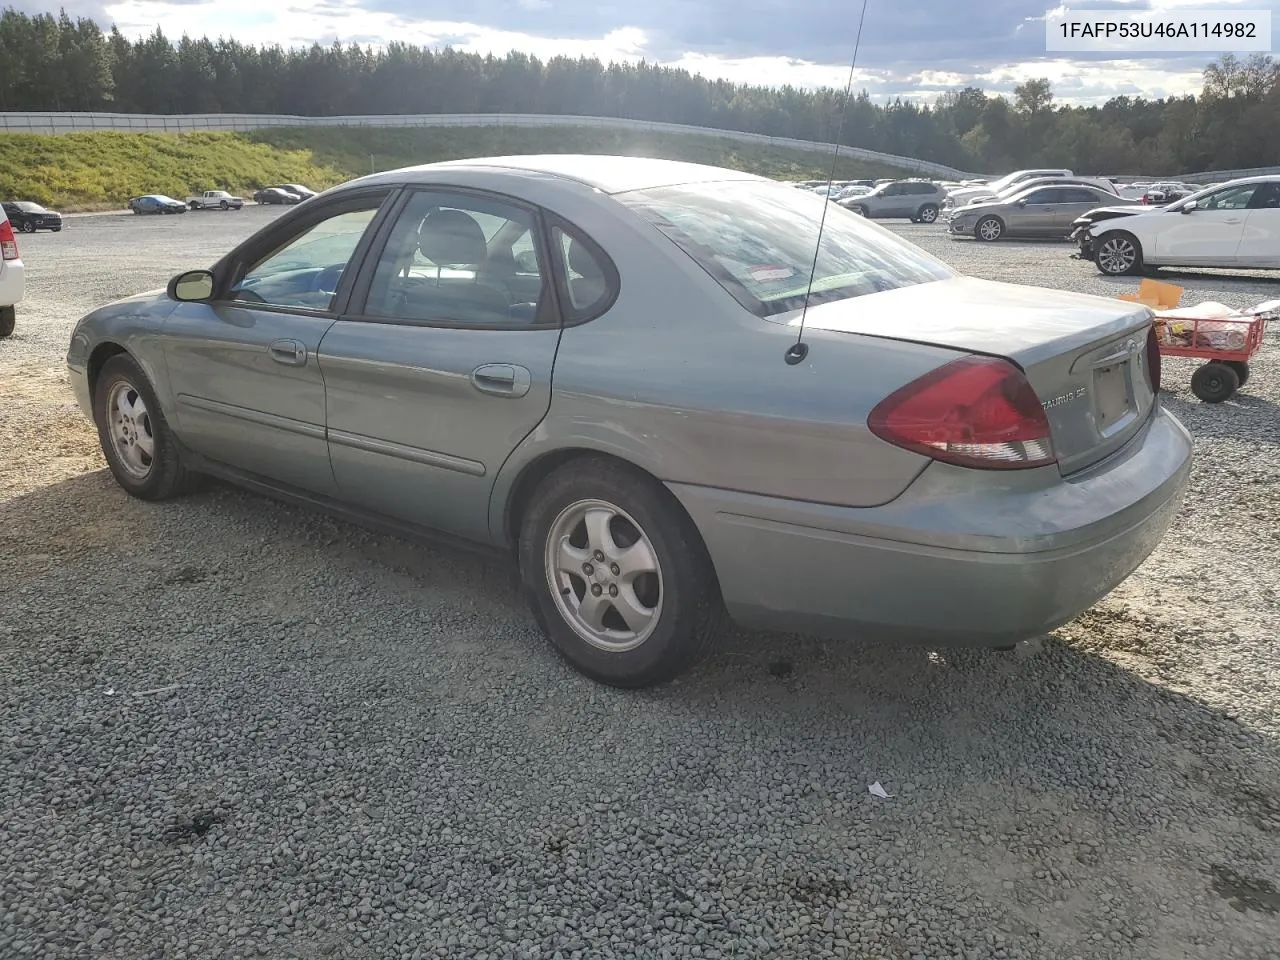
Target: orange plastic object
point(1155, 294)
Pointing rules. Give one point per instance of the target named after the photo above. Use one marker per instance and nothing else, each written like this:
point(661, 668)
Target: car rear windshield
point(757, 239)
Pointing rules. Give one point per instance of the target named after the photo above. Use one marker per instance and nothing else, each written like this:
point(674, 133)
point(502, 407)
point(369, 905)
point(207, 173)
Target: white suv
point(12, 276)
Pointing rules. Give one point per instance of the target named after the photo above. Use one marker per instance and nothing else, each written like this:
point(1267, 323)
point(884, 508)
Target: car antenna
point(799, 350)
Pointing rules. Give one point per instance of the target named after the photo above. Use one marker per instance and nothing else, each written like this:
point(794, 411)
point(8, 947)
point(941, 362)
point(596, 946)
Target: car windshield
point(757, 239)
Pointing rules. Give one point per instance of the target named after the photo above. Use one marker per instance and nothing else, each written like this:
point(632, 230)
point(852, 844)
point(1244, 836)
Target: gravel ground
point(233, 728)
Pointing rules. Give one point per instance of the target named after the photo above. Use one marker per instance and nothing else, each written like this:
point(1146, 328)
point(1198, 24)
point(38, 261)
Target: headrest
point(451, 237)
point(581, 261)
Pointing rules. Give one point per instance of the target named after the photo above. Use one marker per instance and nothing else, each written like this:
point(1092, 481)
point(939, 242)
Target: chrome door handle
point(1232, 220)
point(289, 352)
point(502, 379)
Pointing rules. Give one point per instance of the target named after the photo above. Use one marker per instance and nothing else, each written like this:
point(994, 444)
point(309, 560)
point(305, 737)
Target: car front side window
point(304, 273)
point(1233, 198)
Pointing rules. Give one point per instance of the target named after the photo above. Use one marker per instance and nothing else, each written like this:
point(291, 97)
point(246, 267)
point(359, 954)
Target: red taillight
point(973, 412)
point(8, 245)
point(1153, 360)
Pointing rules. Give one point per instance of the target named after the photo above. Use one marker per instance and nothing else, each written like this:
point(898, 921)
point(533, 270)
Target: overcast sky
point(909, 47)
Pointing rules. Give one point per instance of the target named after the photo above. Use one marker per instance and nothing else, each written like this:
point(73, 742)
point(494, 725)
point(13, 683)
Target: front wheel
point(989, 229)
point(28, 227)
point(617, 574)
point(859, 209)
point(141, 450)
point(8, 320)
point(1118, 254)
point(1215, 382)
point(928, 213)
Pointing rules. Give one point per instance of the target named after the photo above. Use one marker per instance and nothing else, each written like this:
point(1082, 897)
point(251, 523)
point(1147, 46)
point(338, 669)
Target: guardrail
point(57, 123)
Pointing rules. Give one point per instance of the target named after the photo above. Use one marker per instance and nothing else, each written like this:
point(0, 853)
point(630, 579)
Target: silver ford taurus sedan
point(596, 365)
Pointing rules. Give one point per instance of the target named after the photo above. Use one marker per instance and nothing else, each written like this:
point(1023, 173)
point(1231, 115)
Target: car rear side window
point(460, 260)
point(757, 238)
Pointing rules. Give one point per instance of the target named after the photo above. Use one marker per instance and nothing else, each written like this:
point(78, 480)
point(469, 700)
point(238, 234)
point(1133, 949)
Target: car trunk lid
point(1083, 355)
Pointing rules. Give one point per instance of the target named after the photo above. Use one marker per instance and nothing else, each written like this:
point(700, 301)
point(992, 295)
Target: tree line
point(55, 63)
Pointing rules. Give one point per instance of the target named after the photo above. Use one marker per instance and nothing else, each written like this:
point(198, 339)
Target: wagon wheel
point(1241, 368)
point(1215, 382)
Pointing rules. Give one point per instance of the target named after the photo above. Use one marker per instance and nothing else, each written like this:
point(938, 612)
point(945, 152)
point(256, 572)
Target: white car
point(12, 276)
point(1235, 225)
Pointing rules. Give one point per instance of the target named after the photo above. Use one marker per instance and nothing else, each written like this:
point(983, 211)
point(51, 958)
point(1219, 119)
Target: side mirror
point(1188, 206)
point(194, 286)
point(1022, 202)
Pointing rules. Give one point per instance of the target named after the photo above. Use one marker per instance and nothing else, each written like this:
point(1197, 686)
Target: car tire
point(1241, 368)
point(159, 475)
point(222, 205)
point(859, 209)
point(27, 227)
point(1215, 382)
point(928, 213)
point(597, 507)
point(8, 320)
point(989, 229)
point(1118, 253)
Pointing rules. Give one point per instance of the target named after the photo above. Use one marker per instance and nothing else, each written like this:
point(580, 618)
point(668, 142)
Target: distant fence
point(53, 123)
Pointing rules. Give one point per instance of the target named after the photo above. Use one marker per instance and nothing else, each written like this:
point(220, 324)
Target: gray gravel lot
point(232, 728)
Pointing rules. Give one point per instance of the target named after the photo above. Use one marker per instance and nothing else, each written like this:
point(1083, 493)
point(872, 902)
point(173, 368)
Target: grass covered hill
point(102, 170)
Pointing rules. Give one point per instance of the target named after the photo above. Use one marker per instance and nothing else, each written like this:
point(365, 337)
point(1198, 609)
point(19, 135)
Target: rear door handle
point(502, 379)
point(289, 352)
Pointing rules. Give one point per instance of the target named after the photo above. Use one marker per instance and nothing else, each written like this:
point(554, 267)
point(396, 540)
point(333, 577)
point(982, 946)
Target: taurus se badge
point(1058, 401)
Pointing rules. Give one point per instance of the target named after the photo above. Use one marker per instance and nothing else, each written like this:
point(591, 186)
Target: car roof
point(609, 174)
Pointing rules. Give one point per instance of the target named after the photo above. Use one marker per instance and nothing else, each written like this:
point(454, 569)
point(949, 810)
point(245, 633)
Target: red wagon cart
point(1228, 343)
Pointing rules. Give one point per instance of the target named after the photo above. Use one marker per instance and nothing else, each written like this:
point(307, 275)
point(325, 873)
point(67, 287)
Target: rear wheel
point(1241, 368)
point(617, 574)
point(8, 320)
point(989, 229)
point(1215, 382)
point(1118, 254)
point(141, 450)
point(928, 213)
point(28, 227)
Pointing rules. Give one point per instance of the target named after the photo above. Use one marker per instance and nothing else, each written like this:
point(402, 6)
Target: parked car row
point(1165, 223)
point(280, 193)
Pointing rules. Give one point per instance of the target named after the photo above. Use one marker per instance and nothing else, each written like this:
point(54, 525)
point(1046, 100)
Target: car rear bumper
point(947, 563)
point(13, 282)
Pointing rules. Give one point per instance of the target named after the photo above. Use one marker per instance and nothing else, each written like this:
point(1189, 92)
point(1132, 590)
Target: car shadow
point(1010, 773)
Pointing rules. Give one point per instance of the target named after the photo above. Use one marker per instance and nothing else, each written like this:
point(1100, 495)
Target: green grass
point(102, 170)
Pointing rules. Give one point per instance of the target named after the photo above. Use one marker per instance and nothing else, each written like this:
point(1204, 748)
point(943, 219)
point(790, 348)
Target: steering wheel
point(327, 280)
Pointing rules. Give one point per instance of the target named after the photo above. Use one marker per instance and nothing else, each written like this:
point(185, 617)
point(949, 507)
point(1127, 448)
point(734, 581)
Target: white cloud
point(305, 21)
